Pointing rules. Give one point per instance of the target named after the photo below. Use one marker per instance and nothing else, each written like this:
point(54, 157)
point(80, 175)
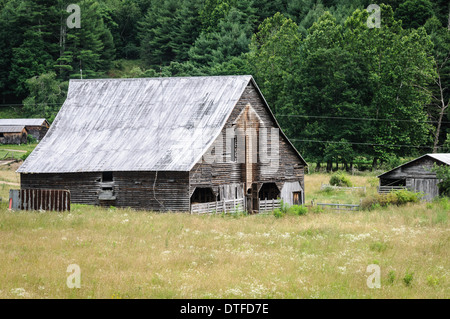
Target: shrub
point(24, 156)
point(31, 139)
point(298, 210)
point(443, 173)
point(340, 179)
point(400, 197)
point(407, 279)
point(391, 277)
point(278, 213)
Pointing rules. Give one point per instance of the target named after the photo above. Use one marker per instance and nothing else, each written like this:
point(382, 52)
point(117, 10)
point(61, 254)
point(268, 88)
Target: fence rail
point(222, 206)
point(388, 189)
point(348, 207)
point(267, 205)
point(40, 199)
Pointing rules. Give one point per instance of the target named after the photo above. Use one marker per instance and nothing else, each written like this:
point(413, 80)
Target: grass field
point(124, 253)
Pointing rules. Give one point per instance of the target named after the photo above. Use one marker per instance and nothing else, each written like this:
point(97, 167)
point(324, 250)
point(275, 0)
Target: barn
point(416, 175)
point(196, 144)
point(35, 127)
point(13, 134)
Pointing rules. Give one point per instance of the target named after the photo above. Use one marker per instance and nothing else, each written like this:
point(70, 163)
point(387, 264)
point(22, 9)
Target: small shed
point(13, 134)
point(35, 127)
point(416, 175)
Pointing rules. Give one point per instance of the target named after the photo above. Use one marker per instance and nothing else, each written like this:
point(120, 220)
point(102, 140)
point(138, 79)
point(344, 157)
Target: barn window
point(203, 195)
point(2, 135)
point(234, 149)
point(107, 176)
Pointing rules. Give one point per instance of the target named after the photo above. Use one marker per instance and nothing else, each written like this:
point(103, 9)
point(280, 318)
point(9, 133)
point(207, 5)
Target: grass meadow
point(123, 253)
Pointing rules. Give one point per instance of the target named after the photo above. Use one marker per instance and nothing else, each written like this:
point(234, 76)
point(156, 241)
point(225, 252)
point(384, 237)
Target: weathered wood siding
point(418, 177)
point(290, 167)
point(131, 189)
point(14, 138)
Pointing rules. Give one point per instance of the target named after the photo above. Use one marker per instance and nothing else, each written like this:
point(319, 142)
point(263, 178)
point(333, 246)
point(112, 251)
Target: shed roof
point(145, 124)
point(444, 158)
point(11, 128)
point(23, 122)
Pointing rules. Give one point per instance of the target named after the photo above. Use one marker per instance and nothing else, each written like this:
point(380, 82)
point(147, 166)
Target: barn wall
point(38, 132)
point(131, 189)
point(290, 167)
point(417, 169)
point(418, 177)
point(139, 190)
point(14, 138)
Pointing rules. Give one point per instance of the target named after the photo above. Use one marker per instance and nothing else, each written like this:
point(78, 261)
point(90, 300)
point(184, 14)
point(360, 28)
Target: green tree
point(47, 94)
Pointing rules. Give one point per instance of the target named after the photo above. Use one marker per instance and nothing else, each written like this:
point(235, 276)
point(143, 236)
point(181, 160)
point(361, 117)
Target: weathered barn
point(35, 127)
point(179, 144)
point(416, 175)
point(13, 134)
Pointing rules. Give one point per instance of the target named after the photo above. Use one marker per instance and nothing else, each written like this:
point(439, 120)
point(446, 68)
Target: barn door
point(296, 198)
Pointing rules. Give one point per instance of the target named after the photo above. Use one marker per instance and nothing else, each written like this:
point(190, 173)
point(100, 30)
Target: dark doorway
point(269, 191)
point(203, 195)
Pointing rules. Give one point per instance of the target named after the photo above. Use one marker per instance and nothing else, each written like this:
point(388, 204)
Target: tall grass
point(124, 253)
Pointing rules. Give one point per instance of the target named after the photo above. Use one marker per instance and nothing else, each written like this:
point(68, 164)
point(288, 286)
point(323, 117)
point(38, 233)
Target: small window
point(107, 177)
point(234, 149)
point(2, 135)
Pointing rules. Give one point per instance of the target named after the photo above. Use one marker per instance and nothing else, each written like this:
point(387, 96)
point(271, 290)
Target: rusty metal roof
point(146, 124)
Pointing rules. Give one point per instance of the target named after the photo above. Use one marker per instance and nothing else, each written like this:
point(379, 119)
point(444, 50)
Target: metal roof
point(442, 157)
point(23, 122)
point(146, 124)
point(11, 128)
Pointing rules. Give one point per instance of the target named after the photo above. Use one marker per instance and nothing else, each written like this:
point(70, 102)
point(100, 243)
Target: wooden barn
point(35, 127)
point(416, 175)
point(197, 144)
point(13, 134)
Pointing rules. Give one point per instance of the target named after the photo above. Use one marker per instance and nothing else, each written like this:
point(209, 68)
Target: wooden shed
point(35, 127)
point(196, 144)
point(416, 175)
point(13, 134)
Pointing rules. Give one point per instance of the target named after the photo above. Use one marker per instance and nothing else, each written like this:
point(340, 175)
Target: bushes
point(295, 210)
point(400, 197)
point(340, 179)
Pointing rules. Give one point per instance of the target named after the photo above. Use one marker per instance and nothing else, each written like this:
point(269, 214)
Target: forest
point(343, 91)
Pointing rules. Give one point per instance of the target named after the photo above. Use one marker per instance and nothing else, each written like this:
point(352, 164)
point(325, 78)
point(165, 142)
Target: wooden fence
point(388, 189)
point(268, 205)
point(41, 199)
point(346, 207)
point(222, 206)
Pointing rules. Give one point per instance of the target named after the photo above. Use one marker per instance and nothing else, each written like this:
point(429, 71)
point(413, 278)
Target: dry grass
point(124, 253)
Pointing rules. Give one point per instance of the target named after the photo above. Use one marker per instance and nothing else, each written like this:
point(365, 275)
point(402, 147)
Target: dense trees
point(343, 92)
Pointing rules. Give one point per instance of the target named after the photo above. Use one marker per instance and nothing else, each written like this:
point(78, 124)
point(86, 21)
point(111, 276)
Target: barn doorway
point(269, 191)
point(203, 195)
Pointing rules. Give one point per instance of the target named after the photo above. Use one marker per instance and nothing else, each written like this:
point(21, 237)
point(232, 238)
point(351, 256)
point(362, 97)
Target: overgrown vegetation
point(340, 179)
point(398, 197)
point(443, 173)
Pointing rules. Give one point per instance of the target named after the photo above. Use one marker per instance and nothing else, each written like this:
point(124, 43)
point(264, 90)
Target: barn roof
point(11, 128)
point(23, 122)
point(145, 124)
point(444, 158)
